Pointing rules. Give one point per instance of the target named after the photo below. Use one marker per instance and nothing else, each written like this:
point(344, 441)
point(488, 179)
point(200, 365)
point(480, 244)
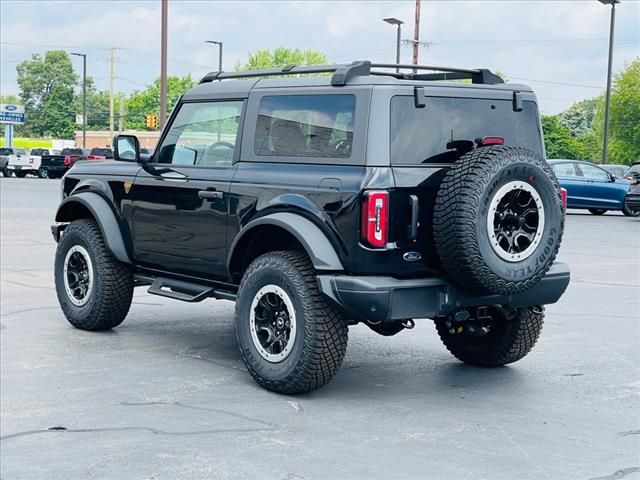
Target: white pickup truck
point(23, 162)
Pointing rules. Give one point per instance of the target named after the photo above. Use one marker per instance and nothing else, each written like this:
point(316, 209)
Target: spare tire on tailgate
point(498, 219)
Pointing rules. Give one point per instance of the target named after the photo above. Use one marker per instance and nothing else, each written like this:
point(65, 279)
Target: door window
point(594, 173)
point(565, 170)
point(203, 135)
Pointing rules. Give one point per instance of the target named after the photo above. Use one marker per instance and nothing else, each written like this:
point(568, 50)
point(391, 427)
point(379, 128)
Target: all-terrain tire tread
point(113, 298)
point(325, 341)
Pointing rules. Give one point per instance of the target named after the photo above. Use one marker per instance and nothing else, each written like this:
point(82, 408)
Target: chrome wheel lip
point(492, 212)
point(80, 250)
point(286, 351)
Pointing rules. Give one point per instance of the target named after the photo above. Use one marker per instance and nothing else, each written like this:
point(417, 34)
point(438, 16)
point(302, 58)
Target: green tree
point(580, 116)
point(281, 57)
point(146, 102)
point(558, 141)
point(47, 92)
point(624, 126)
point(97, 106)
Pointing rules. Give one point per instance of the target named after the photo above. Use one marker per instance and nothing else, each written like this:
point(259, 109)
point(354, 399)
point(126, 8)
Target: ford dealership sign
point(11, 114)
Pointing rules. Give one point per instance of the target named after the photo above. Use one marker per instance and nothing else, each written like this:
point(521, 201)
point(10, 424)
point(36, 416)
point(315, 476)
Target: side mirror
point(126, 148)
point(612, 178)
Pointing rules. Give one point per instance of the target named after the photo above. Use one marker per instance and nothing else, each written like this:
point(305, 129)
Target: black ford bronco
point(317, 202)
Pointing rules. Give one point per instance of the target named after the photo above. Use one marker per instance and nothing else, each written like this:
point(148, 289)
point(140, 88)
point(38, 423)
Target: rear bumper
point(389, 299)
point(21, 168)
point(55, 168)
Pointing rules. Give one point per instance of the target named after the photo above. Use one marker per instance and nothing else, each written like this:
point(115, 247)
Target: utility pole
point(121, 114)
point(416, 35)
point(84, 97)
point(607, 101)
point(111, 84)
point(163, 63)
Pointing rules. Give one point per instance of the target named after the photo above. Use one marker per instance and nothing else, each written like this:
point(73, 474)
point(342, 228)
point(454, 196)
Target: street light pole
point(607, 101)
point(84, 97)
point(215, 42)
point(163, 62)
point(398, 23)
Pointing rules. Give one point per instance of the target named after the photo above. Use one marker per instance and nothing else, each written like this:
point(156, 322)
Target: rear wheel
point(597, 211)
point(94, 289)
point(292, 339)
point(499, 338)
point(43, 173)
point(6, 172)
point(498, 219)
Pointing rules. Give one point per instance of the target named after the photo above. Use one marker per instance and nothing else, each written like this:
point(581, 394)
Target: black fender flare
point(104, 217)
point(320, 250)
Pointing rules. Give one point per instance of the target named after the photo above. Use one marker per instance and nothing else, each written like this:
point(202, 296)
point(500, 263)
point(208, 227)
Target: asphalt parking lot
point(166, 395)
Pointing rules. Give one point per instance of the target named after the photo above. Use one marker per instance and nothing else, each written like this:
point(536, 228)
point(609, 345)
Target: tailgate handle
point(413, 229)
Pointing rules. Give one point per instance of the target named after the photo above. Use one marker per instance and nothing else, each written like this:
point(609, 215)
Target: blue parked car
point(592, 187)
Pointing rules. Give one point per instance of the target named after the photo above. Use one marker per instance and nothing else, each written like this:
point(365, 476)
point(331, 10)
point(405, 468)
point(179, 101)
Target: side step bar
point(182, 290)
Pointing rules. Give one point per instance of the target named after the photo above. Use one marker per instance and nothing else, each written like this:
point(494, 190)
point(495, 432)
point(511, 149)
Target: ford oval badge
point(11, 108)
point(412, 256)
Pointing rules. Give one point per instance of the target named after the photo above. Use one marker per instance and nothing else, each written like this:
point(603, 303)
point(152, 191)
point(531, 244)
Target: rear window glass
point(106, 152)
point(305, 126)
point(39, 151)
point(6, 151)
point(71, 151)
point(439, 131)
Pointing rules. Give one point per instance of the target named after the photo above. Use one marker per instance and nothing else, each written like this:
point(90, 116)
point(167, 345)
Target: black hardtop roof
point(355, 73)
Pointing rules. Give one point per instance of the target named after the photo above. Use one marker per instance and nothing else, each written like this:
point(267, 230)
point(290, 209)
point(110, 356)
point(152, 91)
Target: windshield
point(6, 151)
point(446, 128)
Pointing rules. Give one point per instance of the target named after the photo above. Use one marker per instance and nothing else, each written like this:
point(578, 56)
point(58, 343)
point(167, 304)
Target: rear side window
point(318, 126)
point(439, 132)
point(565, 169)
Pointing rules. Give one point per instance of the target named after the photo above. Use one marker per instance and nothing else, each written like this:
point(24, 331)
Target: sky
point(558, 47)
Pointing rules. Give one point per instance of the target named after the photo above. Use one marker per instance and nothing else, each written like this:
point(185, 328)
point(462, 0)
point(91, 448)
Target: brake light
point(375, 218)
point(490, 141)
point(563, 197)
point(67, 161)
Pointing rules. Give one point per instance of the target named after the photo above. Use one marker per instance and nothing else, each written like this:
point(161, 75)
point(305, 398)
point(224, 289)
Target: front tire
point(6, 172)
point(510, 337)
point(94, 289)
point(292, 339)
point(43, 173)
point(629, 212)
point(597, 211)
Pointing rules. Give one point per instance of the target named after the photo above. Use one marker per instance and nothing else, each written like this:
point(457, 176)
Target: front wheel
point(292, 339)
point(94, 289)
point(43, 173)
point(496, 338)
point(630, 212)
point(597, 211)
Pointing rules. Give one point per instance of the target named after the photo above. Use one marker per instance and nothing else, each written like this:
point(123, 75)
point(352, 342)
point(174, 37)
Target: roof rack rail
point(480, 75)
point(342, 73)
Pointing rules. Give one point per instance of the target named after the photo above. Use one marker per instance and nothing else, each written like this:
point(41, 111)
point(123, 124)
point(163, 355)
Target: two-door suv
point(363, 194)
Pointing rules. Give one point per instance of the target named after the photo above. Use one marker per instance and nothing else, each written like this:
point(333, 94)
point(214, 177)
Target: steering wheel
point(214, 150)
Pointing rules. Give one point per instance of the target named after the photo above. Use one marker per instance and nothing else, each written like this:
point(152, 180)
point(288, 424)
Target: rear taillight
point(67, 161)
point(563, 197)
point(375, 218)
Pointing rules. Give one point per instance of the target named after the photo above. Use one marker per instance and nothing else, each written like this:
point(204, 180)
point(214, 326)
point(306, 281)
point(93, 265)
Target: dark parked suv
point(319, 202)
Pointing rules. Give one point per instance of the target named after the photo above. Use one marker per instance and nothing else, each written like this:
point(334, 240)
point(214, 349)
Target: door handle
point(210, 194)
